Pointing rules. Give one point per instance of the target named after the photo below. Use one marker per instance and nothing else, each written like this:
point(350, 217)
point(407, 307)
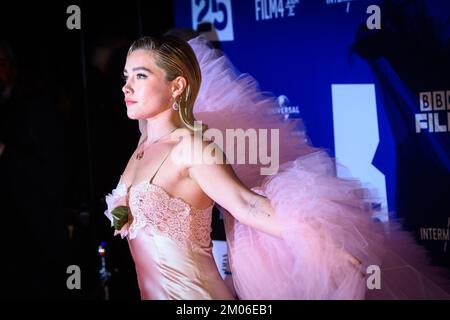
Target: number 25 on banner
point(216, 13)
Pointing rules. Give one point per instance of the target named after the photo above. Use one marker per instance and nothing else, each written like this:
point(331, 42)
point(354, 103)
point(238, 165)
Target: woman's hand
point(354, 262)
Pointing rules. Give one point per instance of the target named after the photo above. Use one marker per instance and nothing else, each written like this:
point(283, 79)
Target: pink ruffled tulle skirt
point(325, 219)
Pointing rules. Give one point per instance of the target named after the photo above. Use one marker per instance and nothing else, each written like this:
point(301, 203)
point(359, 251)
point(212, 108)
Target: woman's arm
point(221, 184)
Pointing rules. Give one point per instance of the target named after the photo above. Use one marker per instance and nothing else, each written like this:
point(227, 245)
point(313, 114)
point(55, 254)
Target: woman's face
point(146, 90)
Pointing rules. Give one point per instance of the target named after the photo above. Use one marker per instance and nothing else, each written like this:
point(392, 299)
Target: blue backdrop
point(376, 96)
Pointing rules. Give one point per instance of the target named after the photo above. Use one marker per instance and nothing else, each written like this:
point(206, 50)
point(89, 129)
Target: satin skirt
point(167, 270)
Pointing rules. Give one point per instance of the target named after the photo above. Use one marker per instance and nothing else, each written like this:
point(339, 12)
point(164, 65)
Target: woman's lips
point(129, 102)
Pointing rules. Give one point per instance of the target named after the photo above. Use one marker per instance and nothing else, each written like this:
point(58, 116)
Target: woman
point(162, 82)
point(301, 230)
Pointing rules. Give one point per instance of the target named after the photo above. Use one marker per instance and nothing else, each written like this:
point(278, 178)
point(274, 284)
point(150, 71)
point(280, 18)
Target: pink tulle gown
point(322, 216)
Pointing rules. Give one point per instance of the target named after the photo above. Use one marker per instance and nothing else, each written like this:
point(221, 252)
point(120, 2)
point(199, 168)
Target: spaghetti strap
point(151, 179)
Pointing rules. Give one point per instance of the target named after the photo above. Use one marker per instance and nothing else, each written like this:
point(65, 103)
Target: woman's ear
point(178, 86)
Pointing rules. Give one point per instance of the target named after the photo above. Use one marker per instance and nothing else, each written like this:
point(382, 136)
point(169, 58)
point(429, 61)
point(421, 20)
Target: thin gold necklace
point(140, 154)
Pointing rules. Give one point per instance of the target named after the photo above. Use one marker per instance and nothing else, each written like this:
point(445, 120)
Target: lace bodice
point(152, 207)
point(154, 210)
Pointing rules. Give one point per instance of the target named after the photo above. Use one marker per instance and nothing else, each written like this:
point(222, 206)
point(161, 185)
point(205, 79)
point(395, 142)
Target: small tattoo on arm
point(255, 209)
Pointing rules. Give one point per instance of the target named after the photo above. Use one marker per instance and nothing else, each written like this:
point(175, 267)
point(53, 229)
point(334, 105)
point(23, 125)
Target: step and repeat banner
point(370, 79)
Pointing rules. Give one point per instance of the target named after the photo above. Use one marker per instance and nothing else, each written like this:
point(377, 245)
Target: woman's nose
point(127, 88)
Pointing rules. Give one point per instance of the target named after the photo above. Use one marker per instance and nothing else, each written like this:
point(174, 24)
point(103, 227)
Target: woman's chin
point(132, 115)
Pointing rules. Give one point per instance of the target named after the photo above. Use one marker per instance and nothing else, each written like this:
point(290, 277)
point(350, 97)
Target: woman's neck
point(161, 125)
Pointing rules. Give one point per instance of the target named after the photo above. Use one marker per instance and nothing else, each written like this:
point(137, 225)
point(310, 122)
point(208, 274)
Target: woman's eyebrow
point(137, 69)
point(141, 68)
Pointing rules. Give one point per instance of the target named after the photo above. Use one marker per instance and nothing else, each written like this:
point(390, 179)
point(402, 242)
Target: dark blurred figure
point(112, 136)
point(110, 129)
point(33, 233)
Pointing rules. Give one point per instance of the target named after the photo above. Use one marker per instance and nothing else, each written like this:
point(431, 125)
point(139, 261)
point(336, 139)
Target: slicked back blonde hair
point(176, 58)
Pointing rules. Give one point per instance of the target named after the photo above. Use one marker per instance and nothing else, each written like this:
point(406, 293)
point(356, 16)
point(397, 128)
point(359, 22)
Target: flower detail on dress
point(118, 211)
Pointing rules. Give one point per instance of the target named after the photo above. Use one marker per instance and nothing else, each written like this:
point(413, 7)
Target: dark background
point(68, 140)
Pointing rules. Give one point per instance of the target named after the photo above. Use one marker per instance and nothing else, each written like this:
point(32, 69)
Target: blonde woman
point(300, 233)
